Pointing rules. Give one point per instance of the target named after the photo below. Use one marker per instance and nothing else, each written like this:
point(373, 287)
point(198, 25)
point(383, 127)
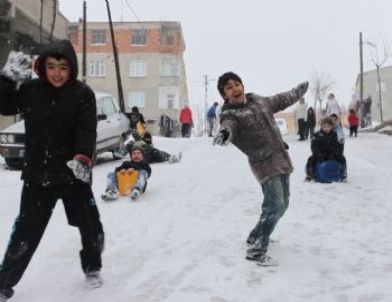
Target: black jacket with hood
point(59, 122)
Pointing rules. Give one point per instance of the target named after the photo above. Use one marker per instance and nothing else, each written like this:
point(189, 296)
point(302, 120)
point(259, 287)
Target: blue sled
point(328, 171)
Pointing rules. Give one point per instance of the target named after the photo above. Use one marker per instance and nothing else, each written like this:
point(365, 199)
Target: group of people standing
point(306, 120)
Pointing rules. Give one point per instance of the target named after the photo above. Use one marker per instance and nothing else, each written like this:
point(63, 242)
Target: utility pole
point(206, 80)
point(117, 65)
point(360, 70)
point(84, 56)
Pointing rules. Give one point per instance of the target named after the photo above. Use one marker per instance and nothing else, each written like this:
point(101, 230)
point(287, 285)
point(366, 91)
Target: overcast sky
point(273, 45)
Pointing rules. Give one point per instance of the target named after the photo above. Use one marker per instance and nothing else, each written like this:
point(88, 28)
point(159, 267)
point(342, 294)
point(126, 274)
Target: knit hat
point(224, 78)
point(134, 148)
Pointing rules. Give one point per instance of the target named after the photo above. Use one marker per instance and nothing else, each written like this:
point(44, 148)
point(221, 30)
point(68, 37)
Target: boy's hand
point(81, 167)
point(223, 137)
point(130, 170)
point(302, 88)
point(122, 171)
point(18, 67)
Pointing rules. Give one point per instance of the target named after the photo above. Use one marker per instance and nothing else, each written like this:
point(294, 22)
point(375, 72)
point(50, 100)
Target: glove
point(223, 138)
point(81, 167)
point(302, 88)
point(18, 67)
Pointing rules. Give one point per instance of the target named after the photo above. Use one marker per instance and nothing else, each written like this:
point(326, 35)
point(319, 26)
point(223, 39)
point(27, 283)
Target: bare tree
point(320, 83)
point(379, 57)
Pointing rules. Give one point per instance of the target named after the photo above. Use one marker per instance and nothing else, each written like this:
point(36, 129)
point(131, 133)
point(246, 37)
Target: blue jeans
point(111, 180)
point(276, 200)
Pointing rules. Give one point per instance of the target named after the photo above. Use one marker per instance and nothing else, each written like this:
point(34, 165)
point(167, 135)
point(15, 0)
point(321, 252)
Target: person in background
point(353, 122)
point(186, 121)
point(166, 125)
point(61, 129)
point(310, 123)
point(137, 123)
point(301, 113)
point(247, 121)
point(211, 118)
point(332, 106)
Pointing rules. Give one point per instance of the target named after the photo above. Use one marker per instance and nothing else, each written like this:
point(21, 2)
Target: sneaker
point(135, 194)
point(266, 261)
point(344, 179)
point(94, 279)
point(110, 194)
point(172, 159)
point(307, 179)
point(5, 294)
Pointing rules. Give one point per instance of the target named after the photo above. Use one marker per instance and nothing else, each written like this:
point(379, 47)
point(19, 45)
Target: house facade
point(370, 88)
point(151, 63)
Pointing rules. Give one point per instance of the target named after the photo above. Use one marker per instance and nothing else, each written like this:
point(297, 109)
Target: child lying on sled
point(133, 175)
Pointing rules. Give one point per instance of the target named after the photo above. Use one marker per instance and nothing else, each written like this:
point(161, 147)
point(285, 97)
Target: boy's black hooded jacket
point(59, 122)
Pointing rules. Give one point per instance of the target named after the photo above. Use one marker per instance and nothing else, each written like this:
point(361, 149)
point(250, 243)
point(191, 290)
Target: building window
point(137, 98)
point(169, 97)
point(137, 68)
point(170, 67)
point(97, 68)
point(98, 36)
point(167, 40)
point(139, 37)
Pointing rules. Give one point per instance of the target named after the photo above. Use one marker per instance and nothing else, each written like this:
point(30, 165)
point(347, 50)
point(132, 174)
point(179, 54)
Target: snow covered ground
point(184, 240)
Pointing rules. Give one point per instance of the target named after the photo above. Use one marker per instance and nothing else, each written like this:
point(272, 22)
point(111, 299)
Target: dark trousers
point(36, 207)
point(157, 156)
point(302, 129)
point(186, 130)
point(353, 130)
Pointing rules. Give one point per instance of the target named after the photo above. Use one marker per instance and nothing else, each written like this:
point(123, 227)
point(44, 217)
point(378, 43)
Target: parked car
point(112, 132)
point(282, 125)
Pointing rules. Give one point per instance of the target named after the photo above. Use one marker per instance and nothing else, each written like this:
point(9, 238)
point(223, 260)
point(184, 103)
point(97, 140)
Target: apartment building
point(151, 63)
point(24, 26)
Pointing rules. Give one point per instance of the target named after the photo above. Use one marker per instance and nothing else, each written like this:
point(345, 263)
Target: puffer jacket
point(59, 122)
point(255, 133)
point(326, 146)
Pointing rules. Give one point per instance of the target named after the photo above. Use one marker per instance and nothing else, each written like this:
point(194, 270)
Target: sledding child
point(325, 146)
point(138, 163)
point(152, 154)
point(353, 122)
point(247, 121)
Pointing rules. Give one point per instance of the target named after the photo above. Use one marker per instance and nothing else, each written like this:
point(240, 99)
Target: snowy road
point(184, 240)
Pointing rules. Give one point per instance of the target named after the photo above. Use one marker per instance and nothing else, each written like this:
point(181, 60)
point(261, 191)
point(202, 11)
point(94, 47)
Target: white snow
point(184, 240)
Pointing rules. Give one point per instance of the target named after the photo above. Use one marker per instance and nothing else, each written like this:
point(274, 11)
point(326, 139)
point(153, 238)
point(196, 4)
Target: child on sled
point(325, 146)
point(137, 163)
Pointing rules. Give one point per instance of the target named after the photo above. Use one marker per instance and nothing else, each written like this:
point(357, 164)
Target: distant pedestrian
point(301, 113)
point(211, 118)
point(166, 125)
point(186, 121)
point(353, 122)
point(332, 106)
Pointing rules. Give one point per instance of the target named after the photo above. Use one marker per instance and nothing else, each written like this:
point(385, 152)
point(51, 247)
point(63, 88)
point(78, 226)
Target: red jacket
point(353, 119)
point(186, 115)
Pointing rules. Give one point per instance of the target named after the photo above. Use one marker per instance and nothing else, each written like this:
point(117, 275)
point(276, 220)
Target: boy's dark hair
point(224, 78)
point(135, 109)
point(333, 115)
point(352, 111)
point(327, 120)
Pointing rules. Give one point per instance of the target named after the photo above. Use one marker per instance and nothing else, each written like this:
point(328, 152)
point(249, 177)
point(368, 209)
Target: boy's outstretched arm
point(226, 132)
point(283, 100)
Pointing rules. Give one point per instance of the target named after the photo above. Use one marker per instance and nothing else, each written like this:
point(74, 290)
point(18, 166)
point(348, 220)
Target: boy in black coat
point(325, 146)
point(60, 122)
point(138, 163)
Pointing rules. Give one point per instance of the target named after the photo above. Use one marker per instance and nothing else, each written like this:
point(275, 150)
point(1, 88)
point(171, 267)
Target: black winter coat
point(143, 165)
point(326, 146)
point(59, 122)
